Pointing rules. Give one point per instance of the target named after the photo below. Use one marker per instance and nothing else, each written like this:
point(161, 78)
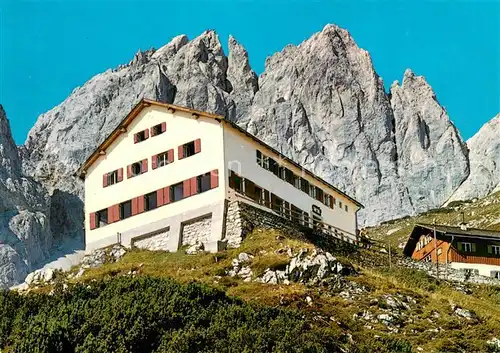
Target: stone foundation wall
point(197, 230)
point(156, 241)
point(242, 218)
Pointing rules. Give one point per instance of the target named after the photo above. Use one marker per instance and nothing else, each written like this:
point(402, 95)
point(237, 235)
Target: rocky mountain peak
point(320, 103)
point(9, 158)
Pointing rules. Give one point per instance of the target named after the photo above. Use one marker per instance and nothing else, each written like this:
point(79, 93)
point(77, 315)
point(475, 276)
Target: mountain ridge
point(320, 103)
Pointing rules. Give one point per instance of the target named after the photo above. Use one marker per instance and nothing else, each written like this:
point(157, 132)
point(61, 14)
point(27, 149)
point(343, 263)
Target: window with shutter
point(101, 218)
point(189, 149)
point(150, 201)
point(158, 129)
point(141, 136)
point(105, 180)
point(126, 209)
point(176, 192)
point(193, 186)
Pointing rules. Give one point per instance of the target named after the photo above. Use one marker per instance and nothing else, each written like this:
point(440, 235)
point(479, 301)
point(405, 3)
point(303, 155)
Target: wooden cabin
point(475, 250)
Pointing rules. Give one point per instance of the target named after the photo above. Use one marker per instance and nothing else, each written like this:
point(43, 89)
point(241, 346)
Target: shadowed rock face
point(320, 103)
point(484, 155)
point(25, 237)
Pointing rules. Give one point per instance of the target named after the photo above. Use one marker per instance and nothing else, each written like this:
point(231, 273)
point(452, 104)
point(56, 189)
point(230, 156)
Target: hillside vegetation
point(173, 302)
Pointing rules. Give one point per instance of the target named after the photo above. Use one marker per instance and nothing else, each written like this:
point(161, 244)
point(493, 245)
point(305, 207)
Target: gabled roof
point(444, 230)
point(122, 127)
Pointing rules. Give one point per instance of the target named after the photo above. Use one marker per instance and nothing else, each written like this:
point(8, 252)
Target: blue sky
point(47, 48)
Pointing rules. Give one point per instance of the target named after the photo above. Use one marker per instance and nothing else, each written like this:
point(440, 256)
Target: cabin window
point(495, 249)
point(296, 181)
point(235, 182)
point(125, 209)
point(312, 191)
point(162, 159)
point(136, 168)
point(346, 208)
point(273, 167)
point(150, 201)
point(495, 274)
point(141, 136)
point(326, 199)
point(177, 192)
point(319, 194)
point(304, 186)
point(259, 157)
point(101, 218)
point(113, 177)
point(158, 129)
point(276, 203)
point(467, 247)
point(428, 258)
point(439, 251)
point(203, 182)
point(188, 149)
point(289, 176)
point(340, 204)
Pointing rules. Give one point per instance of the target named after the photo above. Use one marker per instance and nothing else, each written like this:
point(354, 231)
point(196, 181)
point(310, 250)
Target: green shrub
point(152, 315)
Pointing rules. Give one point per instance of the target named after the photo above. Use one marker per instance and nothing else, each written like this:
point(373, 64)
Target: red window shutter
point(113, 213)
point(186, 188)
point(136, 138)
point(116, 211)
point(194, 186)
point(166, 195)
point(105, 180)
point(92, 220)
point(129, 171)
point(197, 146)
point(154, 162)
point(144, 167)
point(163, 127)
point(180, 152)
point(214, 178)
point(170, 156)
point(146, 134)
point(135, 206)
point(160, 197)
point(111, 216)
point(140, 204)
point(120, 174)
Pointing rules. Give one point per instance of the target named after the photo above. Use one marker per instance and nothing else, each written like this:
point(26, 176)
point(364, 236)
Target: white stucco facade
point(181, 128)
point(223, 147)
point(240, 157)
point(483, 269)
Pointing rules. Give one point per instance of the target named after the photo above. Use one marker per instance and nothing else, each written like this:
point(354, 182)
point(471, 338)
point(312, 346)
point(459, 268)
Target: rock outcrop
point(484, 154)
point(25, 236)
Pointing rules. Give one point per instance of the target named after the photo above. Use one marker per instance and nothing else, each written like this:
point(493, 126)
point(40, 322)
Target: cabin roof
point(446, 231)
point(143, 103)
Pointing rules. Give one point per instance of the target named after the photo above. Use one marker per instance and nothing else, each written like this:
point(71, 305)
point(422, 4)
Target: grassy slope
point(453, 333)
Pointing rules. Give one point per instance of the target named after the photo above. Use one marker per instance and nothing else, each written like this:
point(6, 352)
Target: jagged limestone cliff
point(320, 103)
